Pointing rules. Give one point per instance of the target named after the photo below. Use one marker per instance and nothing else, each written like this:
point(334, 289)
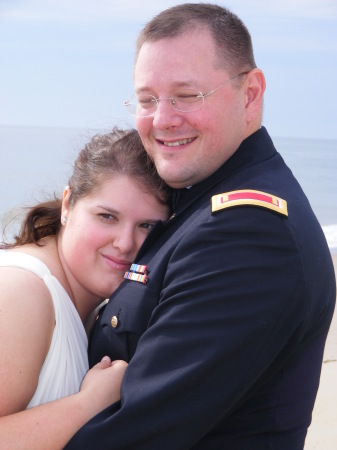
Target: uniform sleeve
point(230, 304)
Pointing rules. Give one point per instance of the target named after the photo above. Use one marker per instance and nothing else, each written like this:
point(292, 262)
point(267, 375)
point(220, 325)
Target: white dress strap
point(67, 361)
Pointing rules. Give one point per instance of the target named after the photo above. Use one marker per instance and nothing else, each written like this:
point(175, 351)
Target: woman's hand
point(102, 384)
point(51, 425)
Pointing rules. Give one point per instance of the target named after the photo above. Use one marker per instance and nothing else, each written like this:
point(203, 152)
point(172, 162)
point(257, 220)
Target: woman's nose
point(124, 241)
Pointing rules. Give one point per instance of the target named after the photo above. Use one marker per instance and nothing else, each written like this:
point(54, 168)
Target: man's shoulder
point(251, 197)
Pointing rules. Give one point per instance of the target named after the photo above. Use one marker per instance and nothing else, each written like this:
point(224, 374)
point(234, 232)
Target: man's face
point(187, 147)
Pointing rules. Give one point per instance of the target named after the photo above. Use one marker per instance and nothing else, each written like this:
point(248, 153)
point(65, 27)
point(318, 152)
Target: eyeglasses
point(146, 105)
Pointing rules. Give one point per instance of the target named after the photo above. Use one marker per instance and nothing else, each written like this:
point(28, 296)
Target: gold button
point(114, 321)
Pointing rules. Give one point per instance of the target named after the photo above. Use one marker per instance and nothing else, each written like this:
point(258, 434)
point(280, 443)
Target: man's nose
point(166, 116)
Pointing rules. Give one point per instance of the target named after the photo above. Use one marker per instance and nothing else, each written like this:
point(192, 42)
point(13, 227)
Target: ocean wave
point(330, 232)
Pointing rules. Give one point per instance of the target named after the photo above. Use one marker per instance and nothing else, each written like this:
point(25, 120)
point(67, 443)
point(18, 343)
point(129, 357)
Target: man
point(224, 316)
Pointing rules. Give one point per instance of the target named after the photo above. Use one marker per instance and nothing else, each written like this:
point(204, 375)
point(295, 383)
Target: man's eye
point(147, 102)
point(187, 98)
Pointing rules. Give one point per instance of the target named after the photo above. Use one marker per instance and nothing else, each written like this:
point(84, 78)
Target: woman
point(70, 255)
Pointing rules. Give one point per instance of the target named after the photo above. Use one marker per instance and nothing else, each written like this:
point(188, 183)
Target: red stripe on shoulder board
point(249, 197)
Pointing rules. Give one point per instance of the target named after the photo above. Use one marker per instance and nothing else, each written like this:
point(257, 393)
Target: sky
point(69, 63)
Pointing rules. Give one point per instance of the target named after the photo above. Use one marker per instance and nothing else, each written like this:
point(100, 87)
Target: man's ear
point(255, 86)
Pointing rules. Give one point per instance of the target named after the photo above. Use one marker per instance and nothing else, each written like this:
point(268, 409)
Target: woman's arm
point(26, 327)
point(50, 426)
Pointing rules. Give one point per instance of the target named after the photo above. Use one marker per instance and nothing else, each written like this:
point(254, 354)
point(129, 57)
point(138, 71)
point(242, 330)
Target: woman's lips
point(117, 264)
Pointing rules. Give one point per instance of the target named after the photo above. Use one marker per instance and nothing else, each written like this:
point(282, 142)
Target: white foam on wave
point(330, 232)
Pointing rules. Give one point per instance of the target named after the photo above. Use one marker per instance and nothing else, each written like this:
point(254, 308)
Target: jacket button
point(114, 321)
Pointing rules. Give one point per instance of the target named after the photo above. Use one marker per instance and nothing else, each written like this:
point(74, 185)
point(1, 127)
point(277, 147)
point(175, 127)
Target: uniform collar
point(256, 148)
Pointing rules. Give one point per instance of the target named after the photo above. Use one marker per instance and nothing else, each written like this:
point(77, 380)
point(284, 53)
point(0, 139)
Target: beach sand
point(322, 434)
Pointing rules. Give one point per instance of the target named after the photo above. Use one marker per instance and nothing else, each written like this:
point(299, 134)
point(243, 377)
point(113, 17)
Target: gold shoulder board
point(249, 197)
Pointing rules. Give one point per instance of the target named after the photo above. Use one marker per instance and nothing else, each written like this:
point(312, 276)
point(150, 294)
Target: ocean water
point(36, 162)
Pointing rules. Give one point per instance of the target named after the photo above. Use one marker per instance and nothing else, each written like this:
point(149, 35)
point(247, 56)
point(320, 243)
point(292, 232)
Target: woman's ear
point(255, 87)
point(65, 203)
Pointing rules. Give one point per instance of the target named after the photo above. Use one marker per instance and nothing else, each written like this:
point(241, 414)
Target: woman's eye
point(107, 217)
point(147, 226)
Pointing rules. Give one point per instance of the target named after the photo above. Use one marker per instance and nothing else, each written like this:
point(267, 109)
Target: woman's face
point(103, 233)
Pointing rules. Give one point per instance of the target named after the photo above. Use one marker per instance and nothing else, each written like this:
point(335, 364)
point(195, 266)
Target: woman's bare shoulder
point(27, 324)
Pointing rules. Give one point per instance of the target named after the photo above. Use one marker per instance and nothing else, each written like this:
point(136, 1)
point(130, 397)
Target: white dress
point(67, 360)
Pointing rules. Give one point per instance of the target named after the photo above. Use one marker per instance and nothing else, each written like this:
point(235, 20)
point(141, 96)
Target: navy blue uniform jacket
point(225, 340)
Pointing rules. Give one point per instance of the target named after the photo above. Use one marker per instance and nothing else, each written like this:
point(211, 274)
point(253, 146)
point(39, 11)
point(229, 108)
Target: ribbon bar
point(136, 277)
point(138, 268)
